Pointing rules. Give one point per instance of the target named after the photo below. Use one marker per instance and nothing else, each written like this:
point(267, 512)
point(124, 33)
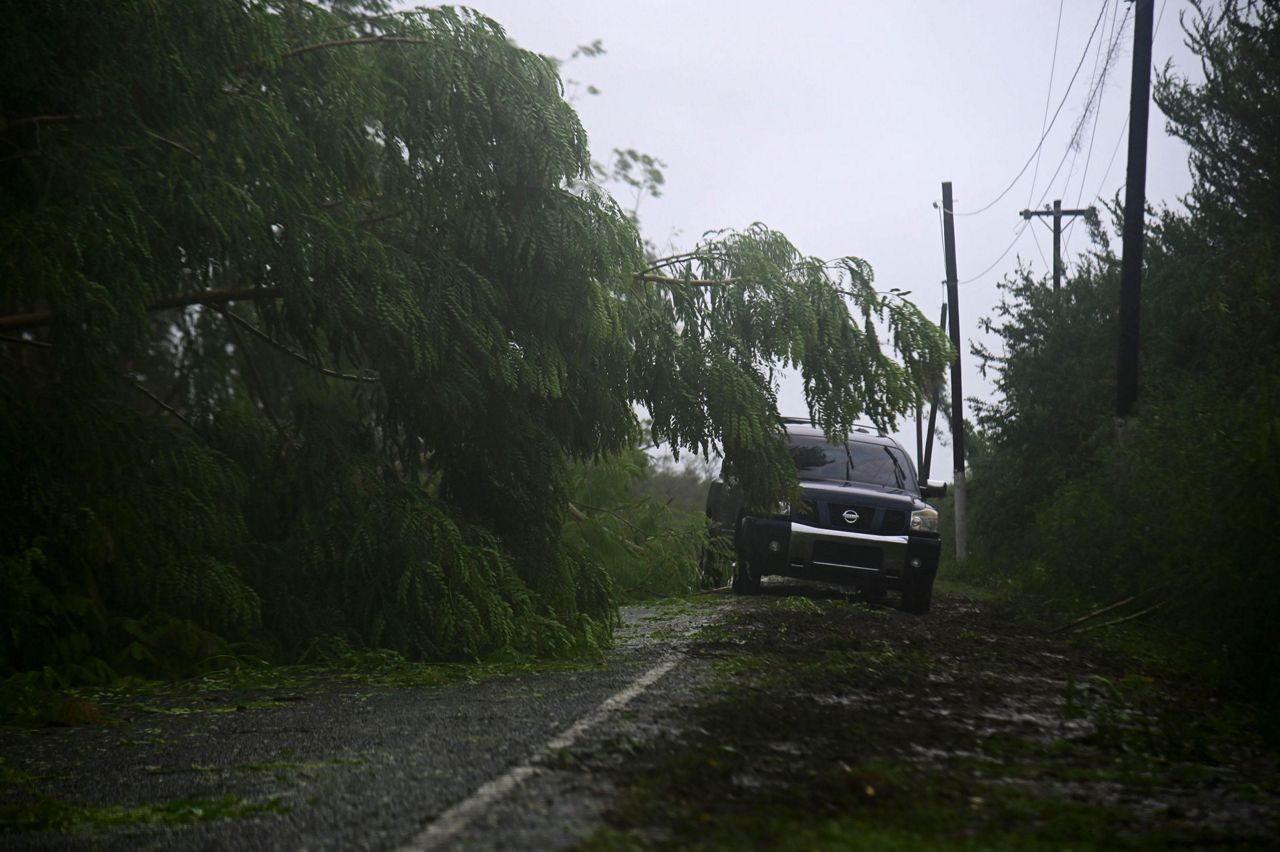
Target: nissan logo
point(850, 516)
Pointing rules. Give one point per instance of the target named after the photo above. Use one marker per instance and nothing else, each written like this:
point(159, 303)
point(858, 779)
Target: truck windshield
point(852, 461)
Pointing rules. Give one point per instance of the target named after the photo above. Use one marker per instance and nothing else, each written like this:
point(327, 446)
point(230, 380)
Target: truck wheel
point(712, 568)
point(745, 580)
point(917, 594)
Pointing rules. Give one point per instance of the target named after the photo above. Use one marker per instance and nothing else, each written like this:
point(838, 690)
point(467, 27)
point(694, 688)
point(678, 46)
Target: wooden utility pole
point(957, 394)
point(1057, 212)
point(1135, 203)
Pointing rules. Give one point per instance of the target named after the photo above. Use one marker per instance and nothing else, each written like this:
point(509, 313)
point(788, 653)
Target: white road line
point(460, 815)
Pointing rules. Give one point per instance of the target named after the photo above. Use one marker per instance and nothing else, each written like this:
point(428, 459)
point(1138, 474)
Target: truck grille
point(870, 519)
point(866, 517)
point(842, 553)
point(894, 521)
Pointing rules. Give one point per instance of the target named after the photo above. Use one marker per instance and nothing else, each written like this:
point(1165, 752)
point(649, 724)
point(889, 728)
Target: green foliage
point(54, 815)
point(651, 544)
point(1172, 508)
point(724, 314)
point(320, 319)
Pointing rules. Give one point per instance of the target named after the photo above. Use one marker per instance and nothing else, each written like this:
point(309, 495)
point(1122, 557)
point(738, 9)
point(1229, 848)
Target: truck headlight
point(924, 520)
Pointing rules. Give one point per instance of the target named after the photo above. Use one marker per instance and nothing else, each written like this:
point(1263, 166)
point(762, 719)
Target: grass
point(281, 683)
point(823, 733)
point(10, 776)
point(872, 806)
point(50, 814)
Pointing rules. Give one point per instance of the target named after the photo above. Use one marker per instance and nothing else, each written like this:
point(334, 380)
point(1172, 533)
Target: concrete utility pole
point(919, 439)
point(933, 416)
point(1135, 203)
point(957, 395)
point(1057, 213)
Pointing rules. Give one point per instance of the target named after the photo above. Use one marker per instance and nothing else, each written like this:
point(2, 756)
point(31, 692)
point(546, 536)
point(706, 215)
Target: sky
point(837, 122)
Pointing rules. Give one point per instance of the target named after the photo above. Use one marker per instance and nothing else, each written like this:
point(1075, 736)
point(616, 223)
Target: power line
point(1053, 68)
point(1026, 222)
point(1093, 107)
point(1034, 154)
point(1094, 92)
point(1113, 38)
point(942, 230)
point(1002, 256)
point(1038, 249)
point(1125, 127)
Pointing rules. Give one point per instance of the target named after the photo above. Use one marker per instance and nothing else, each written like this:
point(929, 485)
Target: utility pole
point(957, 395)
point(1057, 212)
point(919, 438)
point(933, 415)
point(1135, 203)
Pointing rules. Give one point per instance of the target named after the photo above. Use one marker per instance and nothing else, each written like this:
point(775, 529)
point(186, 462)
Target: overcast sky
point(836, 122)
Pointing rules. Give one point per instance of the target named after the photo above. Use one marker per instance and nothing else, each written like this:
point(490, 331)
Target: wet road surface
point(781, 691)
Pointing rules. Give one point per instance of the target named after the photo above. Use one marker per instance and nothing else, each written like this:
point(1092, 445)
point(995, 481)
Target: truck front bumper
point(793, 549)
point(851, 553)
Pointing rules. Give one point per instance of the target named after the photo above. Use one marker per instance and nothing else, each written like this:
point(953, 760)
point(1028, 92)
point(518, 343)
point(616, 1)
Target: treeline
point(314, 328)
point(1170, 513)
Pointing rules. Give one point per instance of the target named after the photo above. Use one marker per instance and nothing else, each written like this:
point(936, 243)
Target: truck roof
point(861, 432)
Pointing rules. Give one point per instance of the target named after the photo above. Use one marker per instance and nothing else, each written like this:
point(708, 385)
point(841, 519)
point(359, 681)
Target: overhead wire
point(1048, 96)
point(1036, 239)
point(1125, 126)
point(1117, 33)
point(1026, 222)
point(1093, 104)
point(1095, 92)
point(1045, 135)
point(942, 231)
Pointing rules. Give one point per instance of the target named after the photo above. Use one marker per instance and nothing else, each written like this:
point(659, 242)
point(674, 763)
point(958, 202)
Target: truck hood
point(861, 493)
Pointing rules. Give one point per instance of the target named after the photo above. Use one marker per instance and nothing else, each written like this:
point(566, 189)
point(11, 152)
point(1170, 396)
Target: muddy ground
point(829, 724)
point(798, 719)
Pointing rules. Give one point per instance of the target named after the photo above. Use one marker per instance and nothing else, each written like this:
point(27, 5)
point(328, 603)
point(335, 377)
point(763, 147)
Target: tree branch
point(172, 144)
point(22, 156)
point(22, 341)
point(37, 319)
point(608, 512)
point(1089, 616)
point(650, 276)
point(297, 356)
point(160, 402)
point(255, 379)
point(580, 516)
point(672, 260)
point(1155, 606)
point(373, 220)
point(37, 120)
point(687, 282)
point(381, 39)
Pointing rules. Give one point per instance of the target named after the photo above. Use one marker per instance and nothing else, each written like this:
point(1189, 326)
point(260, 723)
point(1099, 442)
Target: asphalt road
point(342, 766)
point(800, 718)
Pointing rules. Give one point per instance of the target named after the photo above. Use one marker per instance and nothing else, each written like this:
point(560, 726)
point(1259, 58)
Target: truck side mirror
point(934, 488)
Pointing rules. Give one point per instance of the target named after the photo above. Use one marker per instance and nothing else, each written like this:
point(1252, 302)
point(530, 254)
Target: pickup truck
point(861, 520)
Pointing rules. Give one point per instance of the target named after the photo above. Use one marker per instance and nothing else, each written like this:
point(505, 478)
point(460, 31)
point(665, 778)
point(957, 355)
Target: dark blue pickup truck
point(862, 520)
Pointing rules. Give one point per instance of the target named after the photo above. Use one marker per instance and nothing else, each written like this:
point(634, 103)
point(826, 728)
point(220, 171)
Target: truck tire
point(711, 567)
point(745, 580)
point(917, 594)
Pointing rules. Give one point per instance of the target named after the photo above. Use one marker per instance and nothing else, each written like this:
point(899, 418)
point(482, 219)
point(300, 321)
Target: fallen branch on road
point(1094, 614)
point(1129, 617)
